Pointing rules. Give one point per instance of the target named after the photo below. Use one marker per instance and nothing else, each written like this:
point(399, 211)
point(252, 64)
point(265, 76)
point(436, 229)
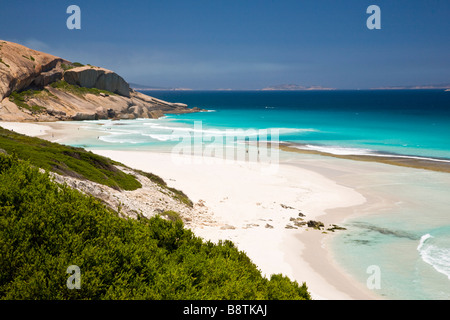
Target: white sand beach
point(29, 129)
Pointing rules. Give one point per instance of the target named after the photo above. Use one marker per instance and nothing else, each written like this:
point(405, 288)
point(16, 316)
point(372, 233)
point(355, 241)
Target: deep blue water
point(410, 122)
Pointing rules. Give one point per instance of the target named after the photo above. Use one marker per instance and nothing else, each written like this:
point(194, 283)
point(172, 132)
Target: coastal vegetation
point(171, 215)
point(72, 65)
point(7, 65)
point(21, 100)
point(66, 160)
point(80, 91)
point(46, 228)
point(31, 58)
point(79, 163)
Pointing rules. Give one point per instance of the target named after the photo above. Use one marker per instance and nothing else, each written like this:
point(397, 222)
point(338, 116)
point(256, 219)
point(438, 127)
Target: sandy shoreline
point(439, 165)
point(29, 129)
point(253, 208)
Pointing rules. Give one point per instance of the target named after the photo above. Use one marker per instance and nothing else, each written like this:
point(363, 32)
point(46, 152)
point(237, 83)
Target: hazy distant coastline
point(417, 87)
point(136, 86)
point(295, 87)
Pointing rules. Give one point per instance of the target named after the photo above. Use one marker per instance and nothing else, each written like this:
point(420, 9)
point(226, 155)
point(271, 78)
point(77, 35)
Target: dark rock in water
point(315, 224)
point(335, 227)
point(389, 232)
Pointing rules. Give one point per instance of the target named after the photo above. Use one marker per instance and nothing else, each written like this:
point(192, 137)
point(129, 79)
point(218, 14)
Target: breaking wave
point(436, 252)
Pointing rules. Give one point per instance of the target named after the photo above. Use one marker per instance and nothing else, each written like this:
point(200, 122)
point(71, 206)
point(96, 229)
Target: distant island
point(416, 87)
point(295, 87)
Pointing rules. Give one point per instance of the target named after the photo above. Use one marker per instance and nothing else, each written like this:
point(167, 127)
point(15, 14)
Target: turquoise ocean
point(409, 242)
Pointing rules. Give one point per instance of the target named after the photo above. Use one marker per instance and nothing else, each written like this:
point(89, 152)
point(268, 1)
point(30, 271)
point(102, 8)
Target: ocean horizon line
point(287, 90)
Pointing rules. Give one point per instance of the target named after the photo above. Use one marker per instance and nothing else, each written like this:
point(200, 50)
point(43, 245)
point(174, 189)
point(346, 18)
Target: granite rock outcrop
point(100, 78)
point(36, 86)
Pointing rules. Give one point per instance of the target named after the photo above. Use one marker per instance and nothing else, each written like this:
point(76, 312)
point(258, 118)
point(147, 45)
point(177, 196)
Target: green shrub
point(171, 215)
point(31, 58)
point(80, 91)
point(72, 65)
point(66, 160)
point(66, 67)
point(7, 65)
point(21, 100)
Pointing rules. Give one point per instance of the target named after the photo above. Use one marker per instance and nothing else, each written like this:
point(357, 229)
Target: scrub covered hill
point(80, 164)
point(67, 160)
point(46, 227)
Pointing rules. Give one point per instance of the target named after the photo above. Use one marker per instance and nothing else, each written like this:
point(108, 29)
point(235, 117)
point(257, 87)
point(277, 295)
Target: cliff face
point(20, 66)
point(36, 86)
point(91, 77)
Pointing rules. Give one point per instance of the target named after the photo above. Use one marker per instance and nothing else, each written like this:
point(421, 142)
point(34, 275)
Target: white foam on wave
point(160, 137)
point(409, 157)
point(225, 132)
point(118, 138)
point(433, 254)
point(193, 129)
point(337, 150)
point(163, 131)
point(424, 238)
point(294, 130)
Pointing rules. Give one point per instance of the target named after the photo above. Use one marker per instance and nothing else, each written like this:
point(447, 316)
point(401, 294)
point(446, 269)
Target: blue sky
point(245, 44)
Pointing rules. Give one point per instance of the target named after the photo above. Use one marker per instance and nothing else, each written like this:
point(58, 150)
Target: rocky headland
point(36, 86)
